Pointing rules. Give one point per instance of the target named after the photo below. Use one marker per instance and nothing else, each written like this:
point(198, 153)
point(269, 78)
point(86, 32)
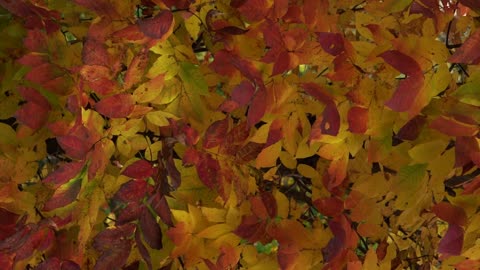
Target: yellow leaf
point(164, 64)
point(215, 231)
point(305, 150)
point(8, 134)
point(123, 146)
point(228, 238)
point(371, 260)
point(169, 93)
point(261, 134)
point(151, 152)
point(126, 128)
point(268, 156)
point(283, 204)
point(144, 93)
point(192, 24)
point(214, 214)
point(307, 171)
point(426, 152)
point(159, 118)
point(288, 160)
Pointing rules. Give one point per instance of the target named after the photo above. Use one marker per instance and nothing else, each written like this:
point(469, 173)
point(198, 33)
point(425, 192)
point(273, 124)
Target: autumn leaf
point(159, 26)
point(139, 169)
point(66, 193)
point(116, 106)
point(408, 88)
point(467, 53)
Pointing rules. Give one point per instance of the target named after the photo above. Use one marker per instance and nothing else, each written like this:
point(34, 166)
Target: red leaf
point(116, 106)
point(109, 238)
point(6, 260)
point(32, 95)
point(275, 133)
point(249, 152)
point(157, 27)
point(139, 169)
point(402, 62)
point(468, 53)
point(318, 92)
point(252, 229)
point(34, 15)
point(101, 7)
point(358, 119)
point(32, 115)
point(258, 208)
point(465, 150)
point(130, 213)
point(98, 159)
point(222, 64)
point(190, 157)
point(243, 93)
point(133, 190)
point(95, 53)
point(208, 169)
point(143, 250)
point(452, 127)
point(331, 120)
point(344, 237)
point(40, 239)
point(64, 195)
point(255, 10)
point(408, 89)
point(405, 94)
point(331, 206)
point(160, 205)
point(178, 234)
point(471, 187)
point(450, 213)
point(412, 128)
point(215, 133)
point(332, 43)
point(152, 234)
point(63, 174)
point(473, 4)
point(136, 69)
point(257, 107)
point(55, 263)
point(310, 11)
point(114, 258)
point(8, 222)
point(286, 256)
point(74, 147)
point(270, 203)
point(191, 135)
point(285, 61)
point(229, 257)
point(452, 242)
point(228, 106)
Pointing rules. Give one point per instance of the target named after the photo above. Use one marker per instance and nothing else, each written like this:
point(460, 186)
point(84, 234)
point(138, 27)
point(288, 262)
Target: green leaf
point(193, 78)
point(469, 93)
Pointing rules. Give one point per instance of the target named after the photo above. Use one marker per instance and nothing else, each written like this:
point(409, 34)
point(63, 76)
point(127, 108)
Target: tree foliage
point(241, 134)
